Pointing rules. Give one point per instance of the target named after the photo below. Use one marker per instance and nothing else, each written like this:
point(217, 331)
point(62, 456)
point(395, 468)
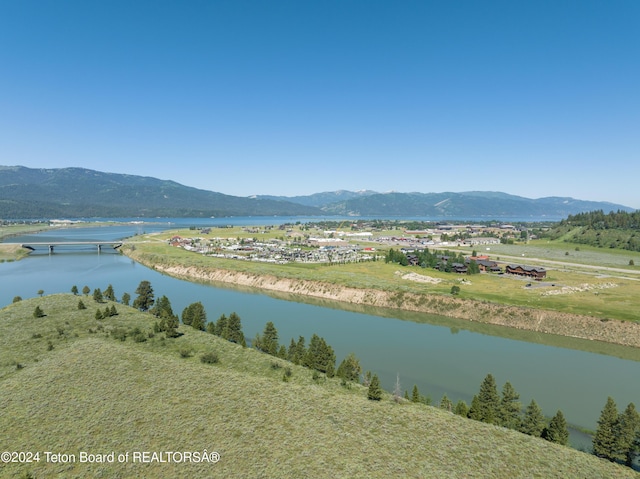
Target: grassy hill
point(68, 385)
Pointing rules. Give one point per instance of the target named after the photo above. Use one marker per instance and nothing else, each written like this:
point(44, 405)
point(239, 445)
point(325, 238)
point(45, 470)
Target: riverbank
point(624, 333)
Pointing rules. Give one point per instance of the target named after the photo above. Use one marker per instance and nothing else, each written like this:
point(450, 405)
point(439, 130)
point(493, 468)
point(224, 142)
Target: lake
point(440, 355)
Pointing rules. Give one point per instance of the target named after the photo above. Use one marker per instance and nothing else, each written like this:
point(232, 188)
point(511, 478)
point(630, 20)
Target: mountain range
point(78, 192)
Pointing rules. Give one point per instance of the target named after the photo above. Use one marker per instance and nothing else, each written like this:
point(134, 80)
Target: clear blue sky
point(535, 98)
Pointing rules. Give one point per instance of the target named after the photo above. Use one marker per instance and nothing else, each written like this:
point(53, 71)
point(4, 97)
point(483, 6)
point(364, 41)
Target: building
point(535, 272)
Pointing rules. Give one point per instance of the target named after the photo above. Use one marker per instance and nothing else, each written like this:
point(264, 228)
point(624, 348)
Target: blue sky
point(538, 98)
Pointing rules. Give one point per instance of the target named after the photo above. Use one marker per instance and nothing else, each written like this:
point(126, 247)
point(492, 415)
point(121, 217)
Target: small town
point(337, 246)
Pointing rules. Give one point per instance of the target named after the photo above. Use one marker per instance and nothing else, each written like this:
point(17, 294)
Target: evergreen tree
point(98, 314)
point(475, 410)
point(74, 289)
point(461, 408)
point(557, 430)
point(211, 327)
point(38, 313)
point(374, 392)
point(533, 422)
point(17, 299)
point(350, 368)
point(605, 441)
point(145, 298)
point(221, 326)
point(107, 312)
point(510, 407)
point(488, 401)
point(446, 404)
point(97, 295)
point(282, 352)
point(109, 294)
point(268, 342)
point(291, 352)
point(320, 355)
point(628, 430)
point(234, 330)
point(86, 290)
point(113, 311)
point(162, 308)
point(195, 316)
point(301, 350)
point(415, 394)
point(126, 299)
point(81, 305)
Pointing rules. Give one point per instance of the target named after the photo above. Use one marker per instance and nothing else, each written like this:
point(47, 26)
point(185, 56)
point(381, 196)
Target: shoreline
point(624, 333)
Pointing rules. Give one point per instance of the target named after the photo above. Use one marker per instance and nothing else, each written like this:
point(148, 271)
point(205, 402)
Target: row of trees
point(437, 260)
point(613, 230)
point(503, 410)
point(618, 435)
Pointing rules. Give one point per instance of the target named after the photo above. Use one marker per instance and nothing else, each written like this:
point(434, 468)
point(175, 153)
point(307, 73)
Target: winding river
point(439, 355)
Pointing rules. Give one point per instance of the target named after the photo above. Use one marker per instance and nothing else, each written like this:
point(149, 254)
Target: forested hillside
point(618, 229)
point(79, 192)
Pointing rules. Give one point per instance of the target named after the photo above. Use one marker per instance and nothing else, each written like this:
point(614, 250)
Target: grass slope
point(97, 394)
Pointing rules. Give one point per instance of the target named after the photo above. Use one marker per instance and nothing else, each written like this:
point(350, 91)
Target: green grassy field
point(68, 386)
point(590, 288)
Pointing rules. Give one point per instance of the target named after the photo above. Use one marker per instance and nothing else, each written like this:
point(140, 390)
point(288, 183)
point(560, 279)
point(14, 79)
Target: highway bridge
point(52, 244)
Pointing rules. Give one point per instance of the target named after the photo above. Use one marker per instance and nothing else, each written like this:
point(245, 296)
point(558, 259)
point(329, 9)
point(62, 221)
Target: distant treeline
point(613, 230)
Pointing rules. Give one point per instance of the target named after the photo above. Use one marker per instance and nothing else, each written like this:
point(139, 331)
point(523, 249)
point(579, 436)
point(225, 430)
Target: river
point(439, 355)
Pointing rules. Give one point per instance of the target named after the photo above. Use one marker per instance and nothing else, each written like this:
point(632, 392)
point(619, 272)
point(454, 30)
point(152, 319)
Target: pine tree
point(628, 430)
point(488, 401)
point(415, 394)
point(475, 410)
point(98, 314)
point(446, 404)
point(113, 311)
point(145, 298)
point(461, 408)
point(97, 295)
point(195, 316)
point(109, 294)
point(74, 289)
point(38, 313)
point(374, 392)
point(81, 305)
point(605, 441)
point(350, 368)
point(320, 355)
point(510, 407)
point(234, 330)
point(557, 430)
point(126, 299)
point(162, 308)
point(221, 325)
point(268, 342)
point(533, 422)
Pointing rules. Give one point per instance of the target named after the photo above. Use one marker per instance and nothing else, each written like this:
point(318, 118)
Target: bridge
point(52, 244)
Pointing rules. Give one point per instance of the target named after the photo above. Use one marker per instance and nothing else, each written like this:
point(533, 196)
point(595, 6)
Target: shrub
point(119, 333)
point(210, 358)
point(185, 353)
point(38, 313)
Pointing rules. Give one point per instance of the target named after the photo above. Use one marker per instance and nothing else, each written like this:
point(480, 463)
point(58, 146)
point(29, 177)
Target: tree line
point(613, 230)
point(440, 260)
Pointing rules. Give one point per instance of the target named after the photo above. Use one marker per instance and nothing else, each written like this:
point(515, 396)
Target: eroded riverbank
point(624, 333)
